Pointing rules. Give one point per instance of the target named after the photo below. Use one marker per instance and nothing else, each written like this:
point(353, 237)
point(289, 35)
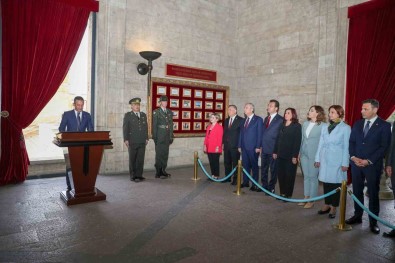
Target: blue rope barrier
point(370, 213)
point(216, 180)
point(288, 199)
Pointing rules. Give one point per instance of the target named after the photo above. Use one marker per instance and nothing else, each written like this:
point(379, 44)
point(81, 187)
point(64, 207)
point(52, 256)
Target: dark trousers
point(213, 158)
point(231, 157)
point(136, 159)
point(334, 199)
point(286, 173)
point(162, 154)
point(372, 176)
point(250, 162)
point(267, 162)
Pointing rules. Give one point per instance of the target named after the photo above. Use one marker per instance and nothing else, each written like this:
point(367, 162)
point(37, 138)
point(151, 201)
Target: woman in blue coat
point(332, 157)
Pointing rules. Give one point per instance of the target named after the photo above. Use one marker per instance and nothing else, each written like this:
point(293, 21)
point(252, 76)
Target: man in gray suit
point(135, 136)
point(390, 170)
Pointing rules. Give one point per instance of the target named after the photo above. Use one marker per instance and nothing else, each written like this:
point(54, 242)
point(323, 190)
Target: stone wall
point(292, 50)
point(195, 33)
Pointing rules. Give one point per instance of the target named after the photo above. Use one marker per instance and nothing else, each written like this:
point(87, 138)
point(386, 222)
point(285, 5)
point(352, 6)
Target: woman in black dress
point(286, 151)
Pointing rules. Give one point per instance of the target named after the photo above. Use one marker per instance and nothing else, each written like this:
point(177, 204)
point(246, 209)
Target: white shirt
point(249, 118)
point(76, 115)
point(231, 120)
point(309, 128)
point(372, 120)
point(272, 117)
point(136, 113)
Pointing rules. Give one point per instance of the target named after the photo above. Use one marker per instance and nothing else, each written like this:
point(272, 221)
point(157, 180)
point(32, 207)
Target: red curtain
point(39, 41)
point(371, 57)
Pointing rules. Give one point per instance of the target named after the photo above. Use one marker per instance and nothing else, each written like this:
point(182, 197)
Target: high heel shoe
point(309, 205)
point(332, 214)
point(323, 212)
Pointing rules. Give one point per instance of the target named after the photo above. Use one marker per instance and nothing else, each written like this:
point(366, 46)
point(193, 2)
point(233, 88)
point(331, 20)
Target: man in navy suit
point(369, 141)
point(271, 128)
point(75, 120)
point(250, 144)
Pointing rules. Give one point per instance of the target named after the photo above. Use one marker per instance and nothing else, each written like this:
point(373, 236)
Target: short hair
point(252, 105)
point(339, 109)
point(276, 104)
point(216, 115)
point(375, 103)
point(232, 106)
point(321, 114)
point(294, 118)
point(78, 98)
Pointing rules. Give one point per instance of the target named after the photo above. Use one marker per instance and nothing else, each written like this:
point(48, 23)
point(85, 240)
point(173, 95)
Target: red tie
point(268, 121)
point(247, 122)
point(230, 123)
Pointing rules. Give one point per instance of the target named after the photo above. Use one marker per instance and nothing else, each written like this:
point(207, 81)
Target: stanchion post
point(239, 172)
point(195, 166)
point(342, 217)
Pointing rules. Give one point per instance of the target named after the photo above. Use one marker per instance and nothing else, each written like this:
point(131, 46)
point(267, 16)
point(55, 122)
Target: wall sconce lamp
point(143, 68)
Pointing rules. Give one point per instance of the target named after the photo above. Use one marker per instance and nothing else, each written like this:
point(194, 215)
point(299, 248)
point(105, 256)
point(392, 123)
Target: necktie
point(247, 122)
point(78, 121)
point(137, 114)
point(230, 123)
point(268, 121)
point(366, 129)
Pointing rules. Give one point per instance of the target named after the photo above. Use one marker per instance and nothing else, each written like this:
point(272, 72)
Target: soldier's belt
point(163, 126)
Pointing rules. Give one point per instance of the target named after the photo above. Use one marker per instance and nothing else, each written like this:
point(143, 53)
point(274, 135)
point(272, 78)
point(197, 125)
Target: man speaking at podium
point(75, 120)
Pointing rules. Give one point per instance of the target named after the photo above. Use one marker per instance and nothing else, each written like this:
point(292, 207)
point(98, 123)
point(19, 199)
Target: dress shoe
point(165, 173)
point(245, 185)
point(332, 216)
point(136, 180)
point(258, 190)
point(323, 212)
point(141, 178)
point(253, 188)
point(132, 178)
point(272, 191)
point(354, 220)
point(389, 234)
point(374, 228)
point(233, 183)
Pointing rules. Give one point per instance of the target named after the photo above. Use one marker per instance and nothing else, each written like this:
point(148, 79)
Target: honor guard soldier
point(135, 136)
point(162, 133)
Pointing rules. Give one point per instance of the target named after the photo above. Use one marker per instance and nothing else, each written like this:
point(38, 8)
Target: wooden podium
point(86, 152)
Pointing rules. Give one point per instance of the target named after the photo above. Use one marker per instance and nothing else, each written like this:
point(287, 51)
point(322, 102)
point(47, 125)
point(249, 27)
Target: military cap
point(135, 101)
point(163, 98)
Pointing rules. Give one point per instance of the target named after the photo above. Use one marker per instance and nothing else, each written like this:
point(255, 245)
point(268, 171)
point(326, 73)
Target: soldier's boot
point(158, 172)
point(164, 173)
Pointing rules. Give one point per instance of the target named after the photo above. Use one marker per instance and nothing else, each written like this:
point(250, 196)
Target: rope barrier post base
point(342, 218)
point(239, 169)
point(195, 167)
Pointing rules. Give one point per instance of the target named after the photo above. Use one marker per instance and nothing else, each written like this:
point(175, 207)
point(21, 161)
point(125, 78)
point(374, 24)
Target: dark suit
point(230, 141)
point(373, 147)
point(287, 147)
point(390, 161)
point(269, 137)
point(69, 122)
point(250, 139)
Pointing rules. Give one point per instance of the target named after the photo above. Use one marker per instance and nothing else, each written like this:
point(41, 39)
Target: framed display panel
point(191, 102)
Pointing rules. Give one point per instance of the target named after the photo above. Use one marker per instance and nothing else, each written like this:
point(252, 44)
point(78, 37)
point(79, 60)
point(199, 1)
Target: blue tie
point(78, 121)
point(366, 129)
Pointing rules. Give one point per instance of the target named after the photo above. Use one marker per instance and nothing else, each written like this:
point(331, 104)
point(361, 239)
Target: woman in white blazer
point(311, 133)
point(332, 157)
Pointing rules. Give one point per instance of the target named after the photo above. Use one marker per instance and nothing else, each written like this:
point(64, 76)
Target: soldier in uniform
point(135, 136)
point(162, 133)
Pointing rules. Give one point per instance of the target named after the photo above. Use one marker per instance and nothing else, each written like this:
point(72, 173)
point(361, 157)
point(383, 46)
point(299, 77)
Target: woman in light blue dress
point(311, 133)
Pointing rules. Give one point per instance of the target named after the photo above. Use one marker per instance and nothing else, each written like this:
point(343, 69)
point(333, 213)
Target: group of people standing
point(325, 150)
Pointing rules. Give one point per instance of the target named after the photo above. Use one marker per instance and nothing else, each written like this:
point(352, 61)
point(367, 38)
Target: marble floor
point(177, 220)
